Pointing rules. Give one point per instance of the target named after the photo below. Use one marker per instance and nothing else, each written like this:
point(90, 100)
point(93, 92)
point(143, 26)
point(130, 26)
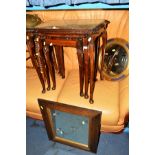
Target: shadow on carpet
point(37, 142)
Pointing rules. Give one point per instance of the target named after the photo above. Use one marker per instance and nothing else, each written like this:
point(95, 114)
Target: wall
point(119, 26)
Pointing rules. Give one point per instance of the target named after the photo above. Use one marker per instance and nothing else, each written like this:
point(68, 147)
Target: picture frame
point(74, 126)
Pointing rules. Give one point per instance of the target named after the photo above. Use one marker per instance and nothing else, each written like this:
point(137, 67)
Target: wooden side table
point(84, 36)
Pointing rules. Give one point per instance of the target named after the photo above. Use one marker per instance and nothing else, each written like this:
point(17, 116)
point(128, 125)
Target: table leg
point(49, 64)
point(97, 47)
point(47, 74)
point(81, 65)
point(48, 79)
point(91, 49)
point(53, 57)
point(41, 61)
point(62, 62)
point(86, 68)
point(60, 59)
point(104, 41)
point(31, 48)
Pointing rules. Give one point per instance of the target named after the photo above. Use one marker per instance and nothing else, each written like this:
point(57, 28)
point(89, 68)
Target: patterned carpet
point(37, 142)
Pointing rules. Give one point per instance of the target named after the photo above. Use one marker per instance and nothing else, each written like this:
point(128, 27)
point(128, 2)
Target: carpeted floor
point(37, 142)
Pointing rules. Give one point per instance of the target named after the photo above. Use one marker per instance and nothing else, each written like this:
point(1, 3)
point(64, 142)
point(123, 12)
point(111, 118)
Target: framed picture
point(71, 125)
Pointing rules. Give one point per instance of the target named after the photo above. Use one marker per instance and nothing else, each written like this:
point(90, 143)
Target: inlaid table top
point(77, 26)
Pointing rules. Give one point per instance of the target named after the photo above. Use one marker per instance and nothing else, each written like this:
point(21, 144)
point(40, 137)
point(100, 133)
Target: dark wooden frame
point(94, 123)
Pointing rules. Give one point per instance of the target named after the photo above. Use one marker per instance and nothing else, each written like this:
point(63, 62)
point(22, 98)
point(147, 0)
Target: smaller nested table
point(83, 34)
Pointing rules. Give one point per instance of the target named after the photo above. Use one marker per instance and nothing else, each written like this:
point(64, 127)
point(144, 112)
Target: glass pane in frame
point(71, 127)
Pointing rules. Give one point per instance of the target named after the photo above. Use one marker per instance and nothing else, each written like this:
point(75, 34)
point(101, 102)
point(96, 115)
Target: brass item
point(116, 59)
point(32, 20)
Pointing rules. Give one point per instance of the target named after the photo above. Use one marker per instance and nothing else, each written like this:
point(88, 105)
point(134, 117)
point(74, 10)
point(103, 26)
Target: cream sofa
point(109, 97)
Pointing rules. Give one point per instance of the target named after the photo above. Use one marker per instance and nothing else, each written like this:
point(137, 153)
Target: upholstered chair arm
point(124, 100)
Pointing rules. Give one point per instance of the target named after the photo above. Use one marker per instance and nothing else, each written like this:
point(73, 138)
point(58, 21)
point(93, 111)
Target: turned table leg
point(41, 61)
point(104, 41)
point(91, 49)
point(31, 49)
point(81, 65)
point(53, 57)
point(49, 64)
point(60, 59)
point(48, 79)
point(86, 69)
point(97, 48)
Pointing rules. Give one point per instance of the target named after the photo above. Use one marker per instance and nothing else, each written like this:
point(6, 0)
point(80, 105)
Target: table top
point(80, 25)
